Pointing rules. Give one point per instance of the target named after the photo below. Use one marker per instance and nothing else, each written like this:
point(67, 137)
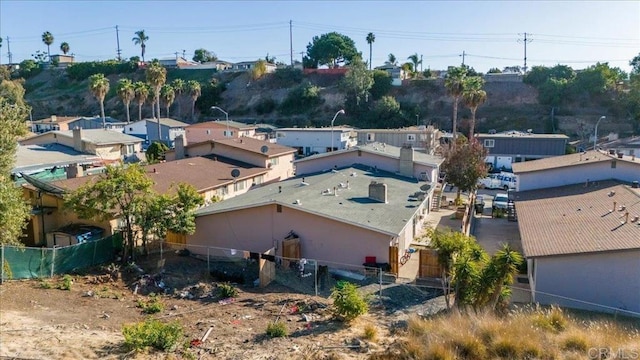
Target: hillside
point(510, 105)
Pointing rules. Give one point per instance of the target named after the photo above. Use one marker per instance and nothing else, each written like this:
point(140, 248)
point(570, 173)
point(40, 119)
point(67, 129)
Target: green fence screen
point(26, 262)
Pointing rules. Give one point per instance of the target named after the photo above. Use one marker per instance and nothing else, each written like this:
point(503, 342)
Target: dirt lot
point(85, 322)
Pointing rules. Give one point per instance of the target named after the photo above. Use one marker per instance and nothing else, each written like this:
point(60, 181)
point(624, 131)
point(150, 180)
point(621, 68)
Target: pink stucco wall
point(260, 228)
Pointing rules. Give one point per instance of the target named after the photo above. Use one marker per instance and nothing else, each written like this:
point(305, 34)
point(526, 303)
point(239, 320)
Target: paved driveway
point(490, 232)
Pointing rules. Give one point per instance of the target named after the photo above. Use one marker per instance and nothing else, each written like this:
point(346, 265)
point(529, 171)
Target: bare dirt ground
point(86, 322)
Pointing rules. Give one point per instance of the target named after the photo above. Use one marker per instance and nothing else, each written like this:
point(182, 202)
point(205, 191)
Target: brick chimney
point(378, 191)
point(77, 139)
point(406, 160)
point(180, 142)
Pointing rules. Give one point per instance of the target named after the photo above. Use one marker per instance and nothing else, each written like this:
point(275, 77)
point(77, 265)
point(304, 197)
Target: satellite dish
point(264, 149)
point(235, 173)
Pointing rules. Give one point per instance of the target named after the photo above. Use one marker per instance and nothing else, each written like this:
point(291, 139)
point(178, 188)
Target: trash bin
point(479, 208)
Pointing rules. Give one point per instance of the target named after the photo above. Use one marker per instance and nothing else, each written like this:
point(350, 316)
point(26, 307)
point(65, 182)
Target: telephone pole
point(291, 40)
point(118, 43)
point(463, 55)
point(525, 41)
point(9, 51)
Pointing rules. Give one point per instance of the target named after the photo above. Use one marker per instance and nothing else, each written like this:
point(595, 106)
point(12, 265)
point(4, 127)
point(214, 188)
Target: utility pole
point(525, 41)
point(420, 62)
point(184, 54)
point(9, 51)
point(176, 53)
point(463, 55)
point(118, 43)
point(291, 40)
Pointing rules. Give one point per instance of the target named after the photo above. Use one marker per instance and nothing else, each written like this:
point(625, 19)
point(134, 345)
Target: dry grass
point(549, 333)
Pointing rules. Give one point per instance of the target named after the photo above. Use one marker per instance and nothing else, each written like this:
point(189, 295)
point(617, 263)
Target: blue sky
point(576, 33)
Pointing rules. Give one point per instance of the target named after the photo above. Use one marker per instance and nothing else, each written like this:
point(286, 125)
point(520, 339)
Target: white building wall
point(136, 128)
point(623, 171)
point(316, 140)
point(611, 279)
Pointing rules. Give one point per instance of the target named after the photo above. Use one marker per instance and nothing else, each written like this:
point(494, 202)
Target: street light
point(227, 119)
point(595, 137)
point(334, 119)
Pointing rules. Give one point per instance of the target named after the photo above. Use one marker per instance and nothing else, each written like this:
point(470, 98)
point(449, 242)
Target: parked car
point(500, 201)
point(504, 180)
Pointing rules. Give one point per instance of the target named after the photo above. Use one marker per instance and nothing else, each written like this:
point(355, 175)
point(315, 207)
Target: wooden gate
point(429, 266)
point(393, 259)
point(175, 238)
point(267, 269)
point(290, 250)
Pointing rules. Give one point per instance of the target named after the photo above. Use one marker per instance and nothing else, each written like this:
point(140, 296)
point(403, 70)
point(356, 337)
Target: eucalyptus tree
point(47, 39)
point(99, 86)
point(141, 91)
point(141, 39)
point(126, 92)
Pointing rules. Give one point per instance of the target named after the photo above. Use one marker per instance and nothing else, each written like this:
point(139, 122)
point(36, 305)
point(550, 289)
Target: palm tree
point(473, 96)
point(126, 92)
point(47, 39)
point(99, 86)
point(64, 47)
point(415, 60)
point(152, 101)
point(454, 83)
point(370, 40)
point(178, 86)
point(392, 60)
point(168, 95)
point(194, 91)
point(141, 39)
point(141, 93)
point(156, 76)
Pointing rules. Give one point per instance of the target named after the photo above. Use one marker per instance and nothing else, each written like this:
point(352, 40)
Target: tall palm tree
point(64, 47)
point(152, 100)
point(141, 39)
point(126, 92)
point(392, 60)
point(473, 96)
point(454, 83)
point(141, 93)
point(194, 90)
point(156, 77)
point(168, 95)
point(415, 60)
point(99, 86)
point(371, 38)
point(178, 86)
point(47, 39)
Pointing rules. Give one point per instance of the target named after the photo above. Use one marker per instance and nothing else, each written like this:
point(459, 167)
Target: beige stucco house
point(107, 144)
point(276, 158)
point(341, 216)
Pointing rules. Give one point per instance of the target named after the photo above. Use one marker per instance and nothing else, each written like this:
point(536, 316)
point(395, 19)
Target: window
point(613, 164)
point(228, 133)
point(279, 208)
point(239, 185)
point(411, 137)
point(131, 149)
point(371, 137)
point(208, 132)
point(222, 191)
point(489, 143)
point(281, 134)
point(258, 179)
point(272, 162)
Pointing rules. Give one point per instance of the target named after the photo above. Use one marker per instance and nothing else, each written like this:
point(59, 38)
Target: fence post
point(315, 277)
point(208, 266)
point(380, 281)
point(53, 261)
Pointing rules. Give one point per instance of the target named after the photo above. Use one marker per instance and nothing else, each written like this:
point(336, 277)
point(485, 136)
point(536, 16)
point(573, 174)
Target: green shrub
point(370, 332)
point(276, 329)
point(506, 349)
point(44, 284)
point(151, 306)
point(82, 70)
point(265, 106)
point(301, 100)
point(552, 320)
point(65, 283)
point(227, 291)
point(575, 343)
point(347, 303)
point(152, 333)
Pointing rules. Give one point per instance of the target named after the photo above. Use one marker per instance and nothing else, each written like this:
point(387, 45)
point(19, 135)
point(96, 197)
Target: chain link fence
point(30, 262)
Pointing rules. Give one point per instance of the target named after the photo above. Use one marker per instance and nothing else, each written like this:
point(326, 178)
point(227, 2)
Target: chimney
point(406, 160)
point(74, 171)
point(180, 143)
point(54, 118)
point(77, 139)
point(378, 191)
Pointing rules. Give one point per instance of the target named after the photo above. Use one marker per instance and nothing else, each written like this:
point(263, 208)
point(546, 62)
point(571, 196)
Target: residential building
point(106, 144)
point(64, 123)
point(214, 177)
point(147, 129)
point(583, 168)
point(212, 130)
point(277, 158)
point(51, 162)
point(176, 62)
point(582, 244)
point(310, 141)
point(344, 216)
point(248, 65)
point(404, 161)
point(514, 146)
point(422, 138)
point(63, 60)
point(52, 123)
point(396, 72)
point(627, 146)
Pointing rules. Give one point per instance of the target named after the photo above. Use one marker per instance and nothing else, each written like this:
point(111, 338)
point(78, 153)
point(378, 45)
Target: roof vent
point(611, 193)
point(297, 202)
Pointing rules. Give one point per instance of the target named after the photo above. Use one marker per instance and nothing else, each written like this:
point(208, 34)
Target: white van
point(504, 180)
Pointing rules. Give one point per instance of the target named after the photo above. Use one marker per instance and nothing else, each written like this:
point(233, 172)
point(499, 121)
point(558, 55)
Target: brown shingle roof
point(553, 162)
point(255, 145)
point(59, 120)
point(201, 172)
point(577, 219)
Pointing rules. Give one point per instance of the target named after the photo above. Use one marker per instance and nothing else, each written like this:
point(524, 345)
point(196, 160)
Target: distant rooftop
point(31, 158)
point(520, 134)
point(220, 124)
point(383, 150)
point(167, 122)
point(342, 128)
point(554, 162)
point(101, 136)
point(248, 144)
point(351, 204)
